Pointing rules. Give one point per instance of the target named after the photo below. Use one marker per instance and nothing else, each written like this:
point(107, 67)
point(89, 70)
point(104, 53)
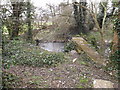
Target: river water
point(53, 47)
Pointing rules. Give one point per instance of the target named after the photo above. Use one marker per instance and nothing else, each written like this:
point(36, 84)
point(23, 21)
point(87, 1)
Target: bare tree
point(52, 9)
point(42, 17)
point(64, 19)
point(94, 14)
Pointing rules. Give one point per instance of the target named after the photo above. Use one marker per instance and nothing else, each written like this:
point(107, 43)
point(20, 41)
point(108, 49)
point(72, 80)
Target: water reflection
point(54, 47)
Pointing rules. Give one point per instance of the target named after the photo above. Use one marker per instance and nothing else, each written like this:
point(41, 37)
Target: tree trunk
point(15, 30)
point(80, 16)
point(29, 38)
point(16, 8)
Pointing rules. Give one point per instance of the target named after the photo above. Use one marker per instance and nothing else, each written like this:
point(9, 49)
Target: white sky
point(42, 3)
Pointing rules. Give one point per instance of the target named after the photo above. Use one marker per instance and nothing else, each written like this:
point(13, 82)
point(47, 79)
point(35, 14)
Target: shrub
point(114, 61)
point(93, 38)
point(69, 46)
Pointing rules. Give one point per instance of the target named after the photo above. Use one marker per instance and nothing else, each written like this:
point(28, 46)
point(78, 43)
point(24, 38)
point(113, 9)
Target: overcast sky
point(42, 3)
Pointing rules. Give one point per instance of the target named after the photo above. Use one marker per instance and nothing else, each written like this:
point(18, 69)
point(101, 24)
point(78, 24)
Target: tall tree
point(52, 11)
point(80, 15)
point(29, 38)
point(17, 7)
point(102, 7)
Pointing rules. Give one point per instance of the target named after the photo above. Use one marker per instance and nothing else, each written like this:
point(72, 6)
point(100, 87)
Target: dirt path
point(78, 74)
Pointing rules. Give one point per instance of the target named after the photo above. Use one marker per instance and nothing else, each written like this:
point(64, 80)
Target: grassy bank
point(21, 53)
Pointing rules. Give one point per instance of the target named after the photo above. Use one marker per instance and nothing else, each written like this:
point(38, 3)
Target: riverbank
point(37, 68)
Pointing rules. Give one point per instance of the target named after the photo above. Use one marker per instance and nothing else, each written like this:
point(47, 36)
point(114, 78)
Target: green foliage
point(18, 52)
point(94, 39)
point(14, 23)
point(117, 25)
point(114, 63)
point(9, 80)
point(69, 46)
point(117, 18)
point(115, 57)
point(83, 82)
